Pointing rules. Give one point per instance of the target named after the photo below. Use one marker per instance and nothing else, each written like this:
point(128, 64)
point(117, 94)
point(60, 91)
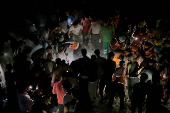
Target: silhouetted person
point(154, 96)
point(84, 79)
point(9, 78)
point(1, 98)
point(10, 85)
point(100, 64)
point(100, 61)
point(106, 79)
point(84, 54)
point(117, 86)
point(37, 72)
point(132, 71)
point(92, 73)
point(139, 93)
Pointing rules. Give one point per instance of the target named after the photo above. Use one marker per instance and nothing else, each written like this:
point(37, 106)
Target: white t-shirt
point(95, 29)
point(76, 30)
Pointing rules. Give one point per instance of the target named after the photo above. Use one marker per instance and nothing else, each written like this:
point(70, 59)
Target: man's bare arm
point(89, 32)
point(80, 32)
point(101, 36)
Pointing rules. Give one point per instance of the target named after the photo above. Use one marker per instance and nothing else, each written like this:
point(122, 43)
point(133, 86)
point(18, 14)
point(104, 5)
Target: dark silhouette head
point(58, 61)
point(66, 86)
point(64, 76)
point(156, 79)
point(143, 77)
point(93, 57)
point(122, 63)
point(97, 52)
point(48, 47)
point(75, 23)
point(111, 55)
point(84, 52)
point(9, 67)
point(63, 61)
point(49, 56)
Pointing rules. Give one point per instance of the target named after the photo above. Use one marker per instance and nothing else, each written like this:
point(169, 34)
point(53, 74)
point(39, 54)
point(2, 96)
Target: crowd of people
point(134, 65)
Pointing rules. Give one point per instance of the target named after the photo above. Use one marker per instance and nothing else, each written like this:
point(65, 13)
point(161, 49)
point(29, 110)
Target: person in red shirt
point(57, 89)
point(86, 23)
point(116, 19)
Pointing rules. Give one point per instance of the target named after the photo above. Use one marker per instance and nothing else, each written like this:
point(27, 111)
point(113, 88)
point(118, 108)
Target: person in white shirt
point(76, 30)
point(45, 37)
point(95, 37)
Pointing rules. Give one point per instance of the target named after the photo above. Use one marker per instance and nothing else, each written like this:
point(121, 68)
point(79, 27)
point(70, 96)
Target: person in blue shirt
point(70, 18)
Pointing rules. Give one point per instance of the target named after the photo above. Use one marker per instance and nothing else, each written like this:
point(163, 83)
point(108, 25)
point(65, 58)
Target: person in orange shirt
point(57, 89)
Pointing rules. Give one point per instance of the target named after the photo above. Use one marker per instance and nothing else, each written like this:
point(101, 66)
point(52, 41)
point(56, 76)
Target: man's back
point(155, 93)
point(109, 68)
point(139, 91)
point(92, 68)
point(100, 62)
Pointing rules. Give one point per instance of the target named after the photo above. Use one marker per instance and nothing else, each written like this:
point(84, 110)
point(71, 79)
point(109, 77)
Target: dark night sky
point(15, 10)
